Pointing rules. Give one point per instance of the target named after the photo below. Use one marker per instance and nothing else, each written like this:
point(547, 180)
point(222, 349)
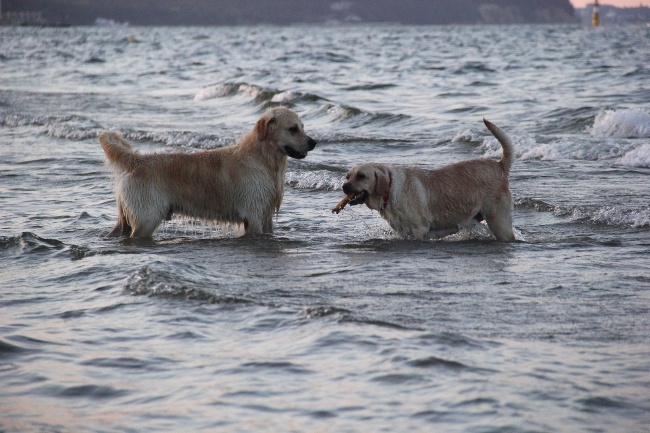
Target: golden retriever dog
point(240, 184)
point(425, 204)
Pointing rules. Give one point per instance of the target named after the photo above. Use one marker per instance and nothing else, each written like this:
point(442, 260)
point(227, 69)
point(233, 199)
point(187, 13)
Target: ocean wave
point(435, 362)
point(71, 127)
point(9, 349)
point(323, 311)
point(472, 67)
point(71, 132)
point(567, 120)
point(257, 94)
point(13, 120)
point(604, 215)
point(633, 123)
point(639, 157)
point(94, 392)
point(325, 57)
point(28, 242)
point(611, 137)
point(613, 216)
point(316, 180)
point(155, 283)
point(525, 146)
point(337, 137)
point(319, 107)
point(622, 151)
point(352, 117)
point(370, 86)
point(175, 139)
point(469, 136)
point(224, 90)
point(182, 226)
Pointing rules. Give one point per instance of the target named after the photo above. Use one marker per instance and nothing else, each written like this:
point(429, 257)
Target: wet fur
point(424, 204)
point(241, 184)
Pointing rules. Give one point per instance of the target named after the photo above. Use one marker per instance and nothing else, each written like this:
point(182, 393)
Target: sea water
point(333, 323)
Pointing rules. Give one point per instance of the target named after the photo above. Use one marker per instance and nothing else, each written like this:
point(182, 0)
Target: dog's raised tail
point(508, 156)
point(117, 149)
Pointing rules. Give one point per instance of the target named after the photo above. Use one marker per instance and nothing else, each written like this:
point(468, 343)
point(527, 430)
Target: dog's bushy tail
point(508, 156)
point(117, 150)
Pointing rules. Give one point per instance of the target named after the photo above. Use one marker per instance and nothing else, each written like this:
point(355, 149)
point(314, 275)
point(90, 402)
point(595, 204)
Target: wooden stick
point(336, 209)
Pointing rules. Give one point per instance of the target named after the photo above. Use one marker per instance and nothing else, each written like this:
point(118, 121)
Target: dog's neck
point(274, 161)
point(387, 196)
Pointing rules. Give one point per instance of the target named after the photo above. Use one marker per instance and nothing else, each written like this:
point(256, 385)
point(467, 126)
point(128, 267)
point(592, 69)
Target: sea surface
point(333, 323)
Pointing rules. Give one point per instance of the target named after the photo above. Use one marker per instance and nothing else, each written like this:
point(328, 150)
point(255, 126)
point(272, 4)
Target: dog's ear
point(382, 182)
point(262, 127)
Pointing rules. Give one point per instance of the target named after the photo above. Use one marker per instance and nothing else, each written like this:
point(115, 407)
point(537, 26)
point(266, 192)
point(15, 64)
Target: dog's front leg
point(252, 226)
point(268, 225)
point(420, 232)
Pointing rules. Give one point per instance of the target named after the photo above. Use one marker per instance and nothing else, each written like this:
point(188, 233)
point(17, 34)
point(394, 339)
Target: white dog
point(425, 204)
point(242, 183)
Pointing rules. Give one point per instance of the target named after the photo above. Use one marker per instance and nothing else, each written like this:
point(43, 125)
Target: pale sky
point(618, 3)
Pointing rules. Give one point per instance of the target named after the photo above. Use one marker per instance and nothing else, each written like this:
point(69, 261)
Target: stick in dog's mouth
point(359, 198)
point(340, 205)
point(352, 200)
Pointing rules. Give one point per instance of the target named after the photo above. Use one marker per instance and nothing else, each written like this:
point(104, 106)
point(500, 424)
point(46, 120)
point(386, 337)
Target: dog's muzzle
point(355, 197)
point(293, 153)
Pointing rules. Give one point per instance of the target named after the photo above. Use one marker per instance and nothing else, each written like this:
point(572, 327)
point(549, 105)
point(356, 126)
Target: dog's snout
point(347, 188)
point(311, 143)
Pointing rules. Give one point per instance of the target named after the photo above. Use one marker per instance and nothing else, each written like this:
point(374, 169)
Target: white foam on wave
point(228, 89)
point(606, 215)
point(626, 152)
point(627, 123)
point(468, 135)
point(613, 216)
point(211, 92)
point(319, 180)
point(71, 132)
point(639, 157)
point(367, 225)
point(570, 149)
point(613, 135)
point(202, 229)
point(285, 97)
point(474, 230)
point(527, 148)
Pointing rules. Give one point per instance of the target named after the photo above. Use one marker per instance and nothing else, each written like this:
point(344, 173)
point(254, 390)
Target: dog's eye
point(294, 129)
point(361, 176)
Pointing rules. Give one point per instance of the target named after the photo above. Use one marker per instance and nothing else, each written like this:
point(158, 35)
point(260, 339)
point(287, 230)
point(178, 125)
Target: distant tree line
point(286, 12)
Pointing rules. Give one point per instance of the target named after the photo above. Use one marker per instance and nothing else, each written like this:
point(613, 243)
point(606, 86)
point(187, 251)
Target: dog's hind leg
point(267, 227)
point(500, 221)
point(144, 228)
point(119, 229)
point(146, 220)
point(122, 227)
